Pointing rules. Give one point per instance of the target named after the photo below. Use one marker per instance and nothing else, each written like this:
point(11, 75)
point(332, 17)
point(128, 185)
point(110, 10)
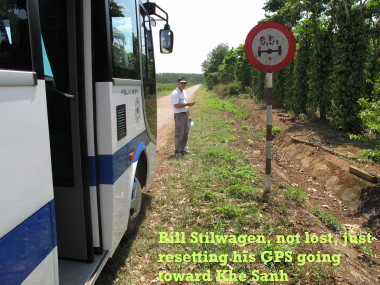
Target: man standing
point(181, 117)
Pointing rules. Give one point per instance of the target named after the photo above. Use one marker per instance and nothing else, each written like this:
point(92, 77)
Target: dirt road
point(165, 115)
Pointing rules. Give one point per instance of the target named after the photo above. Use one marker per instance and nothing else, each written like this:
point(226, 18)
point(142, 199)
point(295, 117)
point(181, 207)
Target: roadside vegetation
point(216, 189)
point(167, 82)
point(335, 75)
point(164, 89)
point(195, 78)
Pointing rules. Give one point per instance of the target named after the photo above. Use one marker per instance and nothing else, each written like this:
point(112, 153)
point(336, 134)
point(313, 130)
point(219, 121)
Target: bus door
point(27, 235)
point(61, 55)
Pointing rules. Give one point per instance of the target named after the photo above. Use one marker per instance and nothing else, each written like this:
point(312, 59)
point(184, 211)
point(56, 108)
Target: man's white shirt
point(179, 97)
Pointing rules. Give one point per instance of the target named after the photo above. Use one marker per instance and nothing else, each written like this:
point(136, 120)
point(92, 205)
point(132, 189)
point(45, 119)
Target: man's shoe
point(178, 155)
point(184, 152)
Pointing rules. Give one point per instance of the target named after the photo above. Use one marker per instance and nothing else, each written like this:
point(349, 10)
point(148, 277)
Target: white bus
point(77, 132)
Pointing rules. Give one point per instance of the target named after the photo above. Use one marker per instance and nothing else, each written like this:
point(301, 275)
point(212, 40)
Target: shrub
point(370, 115)
point(295, 194)
point(372, 154)
point(233, 88)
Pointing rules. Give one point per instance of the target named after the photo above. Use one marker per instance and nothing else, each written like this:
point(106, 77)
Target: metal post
point(269, 137)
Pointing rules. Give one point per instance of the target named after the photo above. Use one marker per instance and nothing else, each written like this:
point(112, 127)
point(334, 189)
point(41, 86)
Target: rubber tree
point(350, 57)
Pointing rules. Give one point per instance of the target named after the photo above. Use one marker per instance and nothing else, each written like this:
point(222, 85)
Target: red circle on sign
point(249, 42)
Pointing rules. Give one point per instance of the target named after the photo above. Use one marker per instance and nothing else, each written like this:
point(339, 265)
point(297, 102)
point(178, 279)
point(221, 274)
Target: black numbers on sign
point(262, 41)
point(268, 40)
point(271, 40)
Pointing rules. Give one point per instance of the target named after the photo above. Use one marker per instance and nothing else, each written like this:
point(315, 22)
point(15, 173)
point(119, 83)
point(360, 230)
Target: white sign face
point(270, 46)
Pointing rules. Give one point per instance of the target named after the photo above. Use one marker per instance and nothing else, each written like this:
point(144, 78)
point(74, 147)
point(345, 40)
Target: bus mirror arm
point(166, 35)
point(151, 10)
point(69, 96)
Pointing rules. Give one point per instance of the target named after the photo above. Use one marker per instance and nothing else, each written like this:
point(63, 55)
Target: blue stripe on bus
point(111, 167)
point(25, 247)
point(106, 174)
point(140, 148)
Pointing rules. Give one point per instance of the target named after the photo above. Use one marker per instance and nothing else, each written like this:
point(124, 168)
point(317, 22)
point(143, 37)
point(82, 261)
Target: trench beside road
point(165, 120)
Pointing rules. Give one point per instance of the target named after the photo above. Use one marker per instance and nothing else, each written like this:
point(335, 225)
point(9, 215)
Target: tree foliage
point(211, 65)
point(214, 59)
point(173, 77)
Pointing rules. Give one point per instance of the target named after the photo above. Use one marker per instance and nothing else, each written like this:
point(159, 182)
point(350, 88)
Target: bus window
point(54, 43)
point(125, 44)
point(148, 67)
point(15, 50)
point(149, 76)
point(47, 67)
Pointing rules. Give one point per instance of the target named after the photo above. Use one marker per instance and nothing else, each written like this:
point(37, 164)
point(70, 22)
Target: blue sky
point(199, 26)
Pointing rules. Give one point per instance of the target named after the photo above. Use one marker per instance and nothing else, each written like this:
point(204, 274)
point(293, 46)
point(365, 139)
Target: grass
point(295, 194)
point(215, 190)
point(329, 219)
point(368, 252)
point(275, 131)
point(227, 105)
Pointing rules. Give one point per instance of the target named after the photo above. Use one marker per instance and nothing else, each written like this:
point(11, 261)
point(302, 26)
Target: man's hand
point(182, 105)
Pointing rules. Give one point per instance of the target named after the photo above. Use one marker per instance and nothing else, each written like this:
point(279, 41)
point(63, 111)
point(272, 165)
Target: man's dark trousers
point(181, 131)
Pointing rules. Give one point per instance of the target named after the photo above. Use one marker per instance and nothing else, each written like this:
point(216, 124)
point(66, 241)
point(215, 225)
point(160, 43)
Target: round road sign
point(270, 46)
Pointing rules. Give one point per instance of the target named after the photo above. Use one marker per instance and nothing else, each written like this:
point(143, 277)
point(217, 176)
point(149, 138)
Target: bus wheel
point(136, 202)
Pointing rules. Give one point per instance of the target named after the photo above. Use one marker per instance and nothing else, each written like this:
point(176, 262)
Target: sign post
point(269, 137)
point(269, 47)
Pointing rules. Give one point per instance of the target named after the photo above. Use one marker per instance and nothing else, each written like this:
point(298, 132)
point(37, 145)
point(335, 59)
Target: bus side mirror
point(166, 40)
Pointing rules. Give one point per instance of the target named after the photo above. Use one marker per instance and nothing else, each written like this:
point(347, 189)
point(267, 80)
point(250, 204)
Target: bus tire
point(135, 209)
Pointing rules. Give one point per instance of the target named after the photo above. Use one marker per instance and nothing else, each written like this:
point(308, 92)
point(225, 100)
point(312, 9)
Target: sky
point(199, 26)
